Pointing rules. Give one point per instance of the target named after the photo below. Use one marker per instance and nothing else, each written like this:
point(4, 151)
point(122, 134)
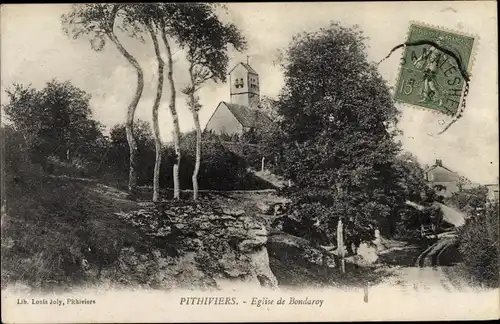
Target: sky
point(34, 50)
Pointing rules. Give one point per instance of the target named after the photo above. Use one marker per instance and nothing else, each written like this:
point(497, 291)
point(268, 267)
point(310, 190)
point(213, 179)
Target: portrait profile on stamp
point(434, 70)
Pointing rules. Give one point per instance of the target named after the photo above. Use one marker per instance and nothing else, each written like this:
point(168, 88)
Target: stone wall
point(193, 245)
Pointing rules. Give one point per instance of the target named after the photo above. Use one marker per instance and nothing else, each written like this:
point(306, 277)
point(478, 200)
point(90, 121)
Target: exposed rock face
point(367, 253)
point(302, 249)
point(200, 244)
point(296, 262)
point(152, 270)
point(262, 270)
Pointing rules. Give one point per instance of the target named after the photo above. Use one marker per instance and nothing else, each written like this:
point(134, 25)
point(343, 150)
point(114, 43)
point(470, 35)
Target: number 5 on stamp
point(434, 69)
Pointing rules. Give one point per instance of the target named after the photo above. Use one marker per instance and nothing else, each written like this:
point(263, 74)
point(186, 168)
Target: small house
point(442, 178)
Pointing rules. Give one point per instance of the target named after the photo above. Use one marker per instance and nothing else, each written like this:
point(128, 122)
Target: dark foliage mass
point(53, 124)
point(221, 167)
point(335, 137)
point(78, 146)
point(479, 238)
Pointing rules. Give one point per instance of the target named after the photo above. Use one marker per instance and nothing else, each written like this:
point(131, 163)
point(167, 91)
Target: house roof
point(440, 174)
point(248, 117)
point(438, 166)
point(246, 66)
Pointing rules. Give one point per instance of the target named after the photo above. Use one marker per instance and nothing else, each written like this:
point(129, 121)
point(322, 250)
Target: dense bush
point(468, 200)
point(222, 168)
point(408, 228)
point(479, 238)
point(15, 153)
point(116, 159)
point(480, 246)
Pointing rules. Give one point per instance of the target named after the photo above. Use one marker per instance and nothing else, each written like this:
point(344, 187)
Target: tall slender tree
point(160, 18)
point(337, 128)
point(156, 128)
point(146, 17)
point(98, 21)
point(207, 41)
point(173, 112)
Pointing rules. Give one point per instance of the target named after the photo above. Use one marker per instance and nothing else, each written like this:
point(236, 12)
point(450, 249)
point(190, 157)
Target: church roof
point(248, 117)
point(246, 66)
point(249, 68)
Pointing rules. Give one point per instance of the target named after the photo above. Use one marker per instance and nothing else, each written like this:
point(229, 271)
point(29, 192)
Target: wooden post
point(340, 244)
point(262, 166)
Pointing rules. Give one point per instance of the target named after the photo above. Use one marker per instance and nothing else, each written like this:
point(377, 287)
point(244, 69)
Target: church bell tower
point(244, 85)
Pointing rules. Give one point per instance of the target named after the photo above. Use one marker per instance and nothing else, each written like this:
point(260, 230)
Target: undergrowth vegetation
point(51, 224)
point(480, 246)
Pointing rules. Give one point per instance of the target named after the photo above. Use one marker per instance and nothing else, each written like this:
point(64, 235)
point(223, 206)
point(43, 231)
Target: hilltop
point(63, 233)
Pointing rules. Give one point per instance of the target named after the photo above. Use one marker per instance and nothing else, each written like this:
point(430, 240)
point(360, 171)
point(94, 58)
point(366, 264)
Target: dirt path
point(424, 279)
point(435, 268)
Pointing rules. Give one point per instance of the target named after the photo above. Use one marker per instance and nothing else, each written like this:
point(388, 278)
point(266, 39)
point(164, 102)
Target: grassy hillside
point(52, 223)
point(58, 231)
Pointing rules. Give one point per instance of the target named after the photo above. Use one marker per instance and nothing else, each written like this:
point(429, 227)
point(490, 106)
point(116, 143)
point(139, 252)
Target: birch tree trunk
point(129, 125)
point(198, 155)
point(175, 118)
point(340, 244)
point(198, 136)
point(156, 105)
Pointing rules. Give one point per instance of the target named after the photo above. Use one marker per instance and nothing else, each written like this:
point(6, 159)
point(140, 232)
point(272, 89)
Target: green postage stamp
point(435, 69)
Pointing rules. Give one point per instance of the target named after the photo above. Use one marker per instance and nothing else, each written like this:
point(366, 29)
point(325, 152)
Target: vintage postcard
point(249, 162)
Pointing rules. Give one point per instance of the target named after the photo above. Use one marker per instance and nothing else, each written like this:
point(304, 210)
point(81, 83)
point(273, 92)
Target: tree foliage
point(479, 242)
point(98, 22)
point(268, 106)
point(55, 121)
point(480, 245)
point(118, 157)
point(337, 128)
point(206, 39)
point(469, 200)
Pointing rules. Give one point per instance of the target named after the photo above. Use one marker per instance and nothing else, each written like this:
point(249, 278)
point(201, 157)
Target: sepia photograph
point(236, 162)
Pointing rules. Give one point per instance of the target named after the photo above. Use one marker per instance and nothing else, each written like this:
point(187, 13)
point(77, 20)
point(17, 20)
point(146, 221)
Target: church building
point(241, 113)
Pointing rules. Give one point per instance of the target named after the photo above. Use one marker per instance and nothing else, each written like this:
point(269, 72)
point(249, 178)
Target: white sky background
point(35, 50)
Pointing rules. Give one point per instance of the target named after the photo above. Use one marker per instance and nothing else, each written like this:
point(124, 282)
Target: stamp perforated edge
point(470, 64)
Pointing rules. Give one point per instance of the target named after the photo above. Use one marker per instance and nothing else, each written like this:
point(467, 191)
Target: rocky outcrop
point(195, 246)
point(317, 255)
point(297, 262)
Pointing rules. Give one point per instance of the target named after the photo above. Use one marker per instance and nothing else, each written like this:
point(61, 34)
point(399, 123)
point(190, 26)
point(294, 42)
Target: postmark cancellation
point(435, 69)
